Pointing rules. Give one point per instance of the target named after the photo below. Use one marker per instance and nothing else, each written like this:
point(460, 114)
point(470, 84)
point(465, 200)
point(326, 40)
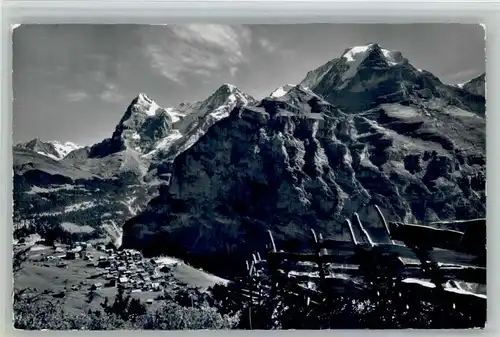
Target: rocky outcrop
point(476, 86)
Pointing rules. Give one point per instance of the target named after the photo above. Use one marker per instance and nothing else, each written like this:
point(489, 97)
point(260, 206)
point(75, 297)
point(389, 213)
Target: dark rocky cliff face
point(298, 162)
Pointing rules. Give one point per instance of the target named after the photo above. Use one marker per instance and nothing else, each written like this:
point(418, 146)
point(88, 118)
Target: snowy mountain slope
point(281, 91)
point(64, 148)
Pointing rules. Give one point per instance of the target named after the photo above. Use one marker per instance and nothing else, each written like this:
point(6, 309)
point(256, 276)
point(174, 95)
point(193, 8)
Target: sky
point(74, 82)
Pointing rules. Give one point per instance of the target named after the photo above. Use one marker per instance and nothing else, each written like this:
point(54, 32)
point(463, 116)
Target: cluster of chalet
point(128, 269)
point(78, 250)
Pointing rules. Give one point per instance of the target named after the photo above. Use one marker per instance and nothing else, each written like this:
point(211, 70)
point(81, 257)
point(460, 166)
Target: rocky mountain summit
point(366, 128)
point(366, 76)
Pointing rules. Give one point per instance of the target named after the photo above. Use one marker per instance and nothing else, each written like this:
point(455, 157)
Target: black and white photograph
point(207, 176)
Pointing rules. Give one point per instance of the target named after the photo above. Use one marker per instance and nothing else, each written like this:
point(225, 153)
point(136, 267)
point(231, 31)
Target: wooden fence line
point(424, 252)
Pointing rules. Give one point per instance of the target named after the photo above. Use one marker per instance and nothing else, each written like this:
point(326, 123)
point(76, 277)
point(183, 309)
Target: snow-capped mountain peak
point(355, 56)
point(64, 148)
point(366, 75)
point(227, 94)
point(143, 103)
point(281, 91)
point(354, 53)
point(359, 53)
point(231, 87)
point(143, 124)
point(143, 110)
point(144, 97)
point(147, 128)
point(341, 70)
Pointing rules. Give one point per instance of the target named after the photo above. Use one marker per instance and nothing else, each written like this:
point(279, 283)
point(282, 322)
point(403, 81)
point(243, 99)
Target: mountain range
point(204, 181)
point(52, 149)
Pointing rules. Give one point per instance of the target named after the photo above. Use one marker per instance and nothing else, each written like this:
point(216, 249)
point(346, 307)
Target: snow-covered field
point(167, 261)
point(114, 232)
point(36, 189)
point(129, 201)
point(166, 142)
point(457, 112)
point(71, 208)
point(399, 111)
point(74, 228)
point(188, 273)
point(80, 206)
point(38, 248)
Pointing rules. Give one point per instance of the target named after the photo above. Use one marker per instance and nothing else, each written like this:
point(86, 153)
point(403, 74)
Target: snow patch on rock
point(282, 91)
point(356, 55)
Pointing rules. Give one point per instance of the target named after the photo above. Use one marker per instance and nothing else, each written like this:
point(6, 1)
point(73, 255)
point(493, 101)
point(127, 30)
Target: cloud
point(202, 72)
point(228, 39)
point(104, 87)
point(76, 96)
point(266, 45)
point(164, 63)
point(111, 94)
point(202, 49)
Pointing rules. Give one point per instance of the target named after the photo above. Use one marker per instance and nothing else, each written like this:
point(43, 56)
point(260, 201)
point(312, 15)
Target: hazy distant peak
point(64, 148)
point(52, 149)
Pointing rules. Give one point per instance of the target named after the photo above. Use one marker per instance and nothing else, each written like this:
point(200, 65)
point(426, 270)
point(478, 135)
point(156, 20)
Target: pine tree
point(90, 296)
point(135, 309)
point(105, 305)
